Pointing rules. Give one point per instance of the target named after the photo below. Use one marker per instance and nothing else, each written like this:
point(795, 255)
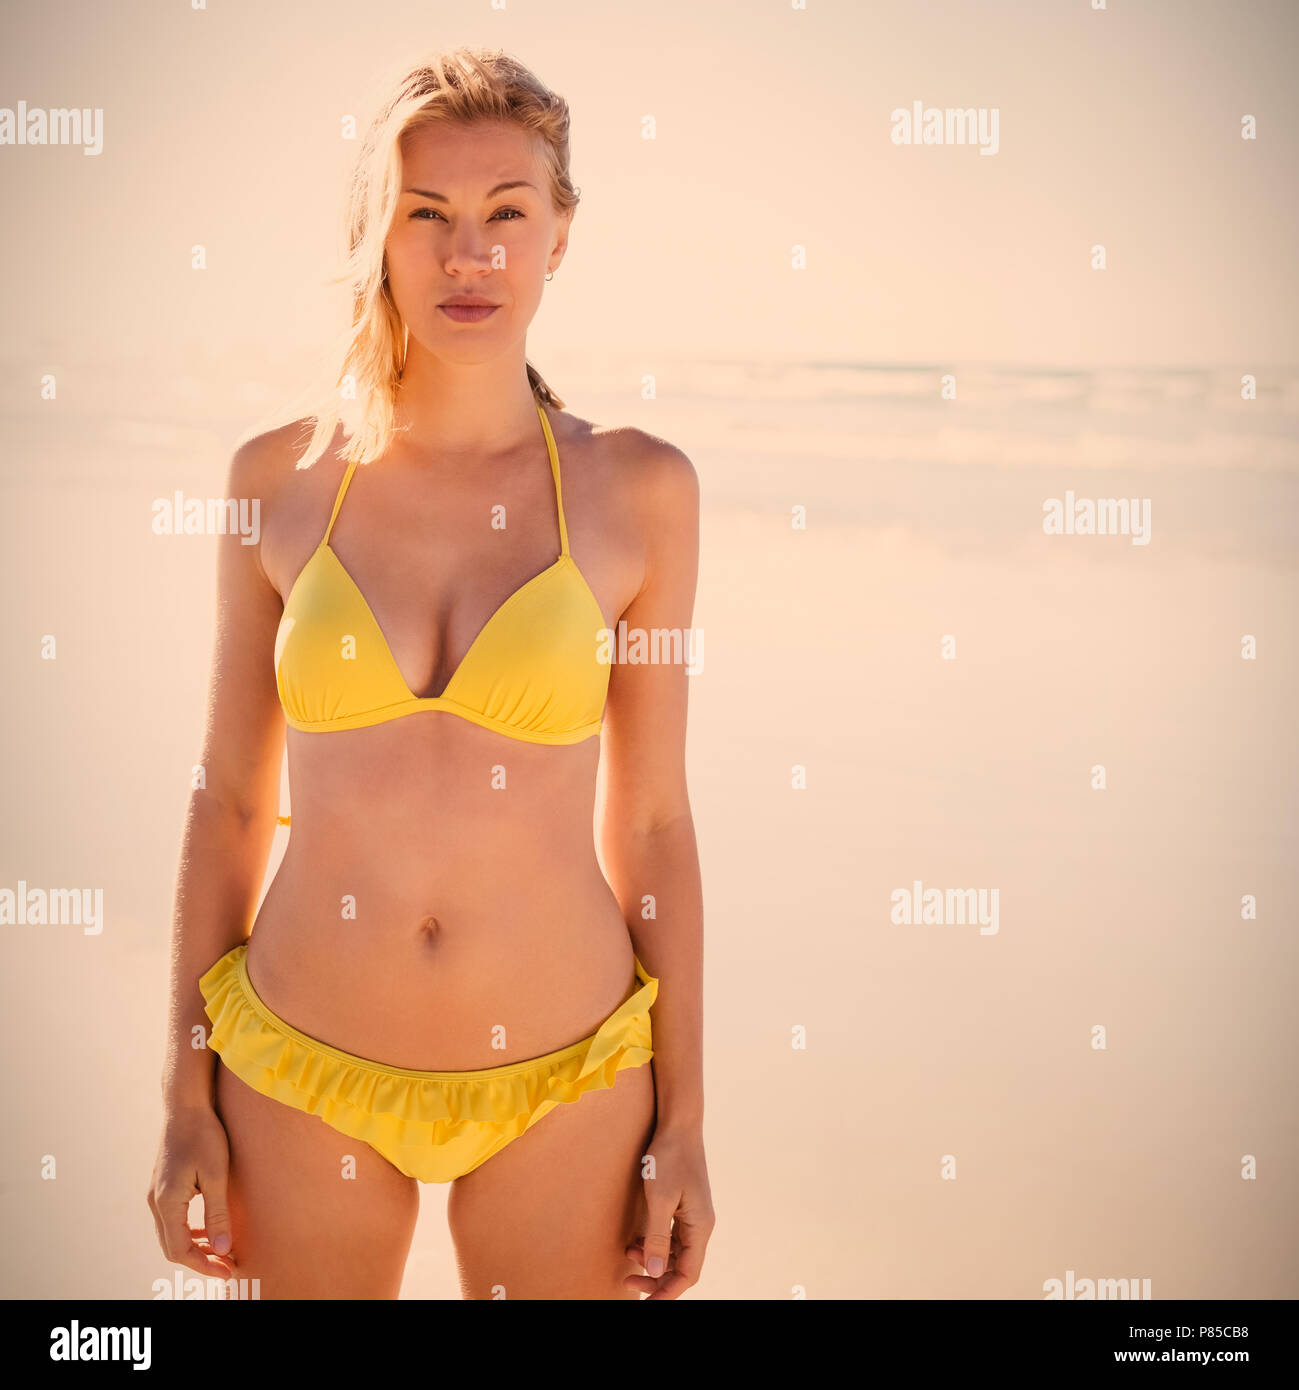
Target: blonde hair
point(457, 87)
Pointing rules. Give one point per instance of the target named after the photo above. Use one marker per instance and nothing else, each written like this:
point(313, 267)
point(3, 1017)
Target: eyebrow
point(500, 188)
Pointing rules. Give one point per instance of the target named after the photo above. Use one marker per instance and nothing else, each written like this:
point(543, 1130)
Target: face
point(457, 234)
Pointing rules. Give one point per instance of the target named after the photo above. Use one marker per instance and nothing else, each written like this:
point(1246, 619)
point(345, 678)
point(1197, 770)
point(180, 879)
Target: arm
point(227, 837)
point(647, 843)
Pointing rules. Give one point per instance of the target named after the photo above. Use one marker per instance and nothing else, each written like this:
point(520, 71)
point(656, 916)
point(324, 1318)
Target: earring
point(550, 275)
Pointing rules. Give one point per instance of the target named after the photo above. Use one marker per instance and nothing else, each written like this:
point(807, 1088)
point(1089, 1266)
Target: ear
point(560, 248)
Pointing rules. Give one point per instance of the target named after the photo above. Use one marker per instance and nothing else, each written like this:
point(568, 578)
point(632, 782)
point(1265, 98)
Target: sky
point(1118, 127)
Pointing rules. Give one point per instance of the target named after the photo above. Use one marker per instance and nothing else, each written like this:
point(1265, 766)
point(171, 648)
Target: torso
point(421, 904)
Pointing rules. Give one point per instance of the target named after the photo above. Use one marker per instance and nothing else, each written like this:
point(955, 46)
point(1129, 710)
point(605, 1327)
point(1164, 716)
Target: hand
point(673, 1254)
point(193, 1157)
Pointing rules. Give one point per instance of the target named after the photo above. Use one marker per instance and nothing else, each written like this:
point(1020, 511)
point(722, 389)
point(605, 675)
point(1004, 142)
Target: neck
point(473, 409)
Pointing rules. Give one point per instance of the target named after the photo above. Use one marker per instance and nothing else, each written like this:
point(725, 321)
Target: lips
point(468, 308)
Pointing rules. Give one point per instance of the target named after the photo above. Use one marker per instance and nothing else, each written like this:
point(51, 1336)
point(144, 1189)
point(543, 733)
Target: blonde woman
point(441, 984)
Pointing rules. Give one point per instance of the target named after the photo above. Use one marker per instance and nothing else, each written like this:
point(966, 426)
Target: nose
point(470, 250)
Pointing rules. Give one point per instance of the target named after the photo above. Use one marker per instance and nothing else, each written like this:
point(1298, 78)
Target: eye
point(425, 214)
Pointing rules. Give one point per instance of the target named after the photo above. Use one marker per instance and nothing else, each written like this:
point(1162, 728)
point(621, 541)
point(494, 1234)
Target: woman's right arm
point(227, 837)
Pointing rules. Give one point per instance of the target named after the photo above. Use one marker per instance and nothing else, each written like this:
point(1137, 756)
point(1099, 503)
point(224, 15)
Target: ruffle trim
point(385, 1105)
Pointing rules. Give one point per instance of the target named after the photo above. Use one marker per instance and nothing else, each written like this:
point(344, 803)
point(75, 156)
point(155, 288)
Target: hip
point(461, 983)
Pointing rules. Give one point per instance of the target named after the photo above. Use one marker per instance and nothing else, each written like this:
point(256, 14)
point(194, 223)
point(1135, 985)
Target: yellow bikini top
point(531, 673)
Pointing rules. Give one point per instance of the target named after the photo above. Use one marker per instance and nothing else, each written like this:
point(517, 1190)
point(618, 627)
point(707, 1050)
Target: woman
point(442, 985)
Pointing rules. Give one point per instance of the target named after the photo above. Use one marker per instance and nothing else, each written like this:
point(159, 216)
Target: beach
point(914, 684)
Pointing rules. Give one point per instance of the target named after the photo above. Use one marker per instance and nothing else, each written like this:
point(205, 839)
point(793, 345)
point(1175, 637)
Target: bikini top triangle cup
point(532, 672)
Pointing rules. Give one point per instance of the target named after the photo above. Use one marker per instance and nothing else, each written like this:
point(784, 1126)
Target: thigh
point(300, 1224)
point(549, 1216)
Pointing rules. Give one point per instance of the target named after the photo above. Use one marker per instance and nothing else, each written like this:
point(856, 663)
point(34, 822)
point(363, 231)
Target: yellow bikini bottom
point(432, 1125)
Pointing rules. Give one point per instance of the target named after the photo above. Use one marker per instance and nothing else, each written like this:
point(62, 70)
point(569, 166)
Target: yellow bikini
point(431, 1125)
point(531, 674)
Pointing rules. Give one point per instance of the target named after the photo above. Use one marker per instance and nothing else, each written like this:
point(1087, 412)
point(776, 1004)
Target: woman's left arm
point(647, 845)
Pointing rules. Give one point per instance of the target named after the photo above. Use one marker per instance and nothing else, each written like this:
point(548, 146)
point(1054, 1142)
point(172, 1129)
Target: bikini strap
point(338, 501)
point(554, 469)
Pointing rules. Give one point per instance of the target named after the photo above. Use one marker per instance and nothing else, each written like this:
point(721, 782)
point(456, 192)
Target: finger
point(177, 1243)
point(657, 1241)
point(216, 1211)
point(636, 1254)
point(694, 1241)
point(685, 1263)
point(225, 1264)
point(191, 1259)
point(636, 1250)
point(210, 1266)
point(669, 1287)
point(641, 1282)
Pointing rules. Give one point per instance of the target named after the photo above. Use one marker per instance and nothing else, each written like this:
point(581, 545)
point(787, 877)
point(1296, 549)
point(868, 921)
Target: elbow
point(662, 819)
point(241, 815)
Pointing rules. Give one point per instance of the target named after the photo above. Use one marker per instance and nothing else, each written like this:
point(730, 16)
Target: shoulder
point(644, 468)
point(261, 463)
point(292, 503)
point(664, 482)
